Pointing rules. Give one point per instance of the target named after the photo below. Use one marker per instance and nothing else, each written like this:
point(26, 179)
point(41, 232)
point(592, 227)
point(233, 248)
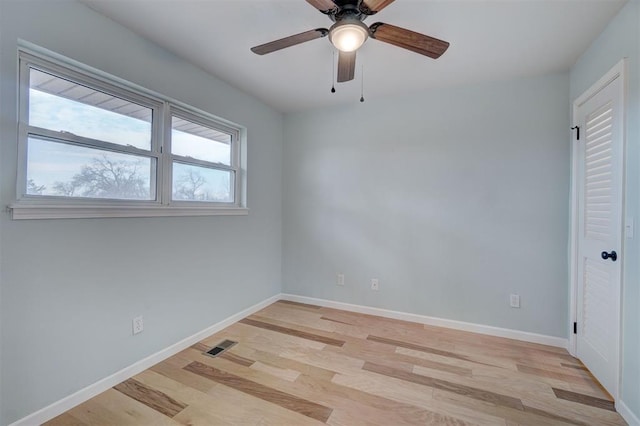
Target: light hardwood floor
point(298, 364)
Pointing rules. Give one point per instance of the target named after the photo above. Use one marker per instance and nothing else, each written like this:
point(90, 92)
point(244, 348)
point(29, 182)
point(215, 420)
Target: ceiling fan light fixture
point(348, 36)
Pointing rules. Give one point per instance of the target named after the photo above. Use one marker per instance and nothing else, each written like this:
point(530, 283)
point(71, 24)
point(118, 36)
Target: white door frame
point(618, 71)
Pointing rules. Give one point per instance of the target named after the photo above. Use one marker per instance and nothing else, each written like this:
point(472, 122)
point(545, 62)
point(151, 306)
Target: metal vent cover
point(220, 348)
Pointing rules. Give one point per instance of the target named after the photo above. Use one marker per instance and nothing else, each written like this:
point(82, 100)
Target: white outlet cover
point(514, 301)
point(138, 325)
point(375, 284)
point(340, 280)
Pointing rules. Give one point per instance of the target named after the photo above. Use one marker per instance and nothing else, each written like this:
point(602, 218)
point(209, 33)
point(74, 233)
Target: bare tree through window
point(189, 186)
point(107, 178)
point(34, 189)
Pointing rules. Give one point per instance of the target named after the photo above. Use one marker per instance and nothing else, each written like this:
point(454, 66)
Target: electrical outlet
point(514, 300)
point(340, 279)
point(138, 325)
point(375, 284)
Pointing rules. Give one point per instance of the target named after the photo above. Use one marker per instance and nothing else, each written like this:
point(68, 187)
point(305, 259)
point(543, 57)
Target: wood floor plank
point(304, 365)
point(421, 348)
point(273, 359)
point(237, 359)
point(574, 366)
point(539, 372)
point(553, 416)
point(367, 350)
point(283, 373)
point(395, 390)
point(580, 383)
point(509, 415)
point(177, 373)
point(272, 340)
point(328, 360)
point(549, 365)
point(352, 406)
point(304, 318)
point(503, 381)
point(585, 399)
point(65, 419)
point(175, 389)
point(292, 332)
point(579, 412)
point(200, 346)
point(480, 394)
point(222, 405)
point(413, 394)
point(115, 408)
point(368, 407)
point(370, 350)
point(334, 320)
point(371, 321)
point(307, 408)
point(454, 362)
point(349, 418)
point(302, 368)
point(312, 324)
point(150, 397)
point(299, 305)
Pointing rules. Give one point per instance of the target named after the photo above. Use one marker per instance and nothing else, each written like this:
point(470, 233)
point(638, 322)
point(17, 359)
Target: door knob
point(613, 255)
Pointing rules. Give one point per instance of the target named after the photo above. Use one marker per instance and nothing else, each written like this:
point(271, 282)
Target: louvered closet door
point(600, 225)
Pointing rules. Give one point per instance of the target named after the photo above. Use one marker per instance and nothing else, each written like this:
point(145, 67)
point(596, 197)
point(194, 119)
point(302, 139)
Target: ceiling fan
point(349, 32)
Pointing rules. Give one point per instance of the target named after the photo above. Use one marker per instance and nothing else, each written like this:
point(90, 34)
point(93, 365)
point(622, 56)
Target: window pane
point(61, 169)
point(63, 106)
point(196, 141)
point(193, 183)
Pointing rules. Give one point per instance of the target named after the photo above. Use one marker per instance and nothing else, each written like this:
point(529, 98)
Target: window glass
point(194, 183)
point(63, 106)
point(66, 170)
point(189, 139)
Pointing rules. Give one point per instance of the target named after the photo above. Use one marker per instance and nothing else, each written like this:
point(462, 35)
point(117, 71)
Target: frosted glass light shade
point(348, 37)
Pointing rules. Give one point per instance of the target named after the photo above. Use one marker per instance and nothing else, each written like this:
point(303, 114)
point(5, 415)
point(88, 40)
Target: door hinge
point(575, 328)
point(577, 129)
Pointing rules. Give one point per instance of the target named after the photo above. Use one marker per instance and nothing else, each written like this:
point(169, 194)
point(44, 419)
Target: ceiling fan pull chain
point(333, 79)
point(362, 85)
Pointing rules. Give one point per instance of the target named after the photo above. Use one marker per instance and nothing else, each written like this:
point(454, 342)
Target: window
point(202, 168)
point(90, 146)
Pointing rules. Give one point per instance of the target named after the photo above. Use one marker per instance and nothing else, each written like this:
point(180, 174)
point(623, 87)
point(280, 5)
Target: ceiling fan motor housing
point(353, 8)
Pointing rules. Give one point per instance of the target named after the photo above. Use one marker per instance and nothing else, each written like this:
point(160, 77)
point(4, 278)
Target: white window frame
point(233, 167)
point(54, 207)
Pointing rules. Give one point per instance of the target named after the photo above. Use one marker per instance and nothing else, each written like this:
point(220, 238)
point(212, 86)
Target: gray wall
point(621, 39)
point(71, 287)
point(453, 198)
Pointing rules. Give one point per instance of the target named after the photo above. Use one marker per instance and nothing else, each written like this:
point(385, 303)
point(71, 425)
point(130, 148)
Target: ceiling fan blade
point(290, 41)
point(323, 5)
point(376, 5)
point(407, 39)
point(346, 66)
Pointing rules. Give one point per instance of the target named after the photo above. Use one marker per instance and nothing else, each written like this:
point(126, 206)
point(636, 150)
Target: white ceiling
point(490, 41)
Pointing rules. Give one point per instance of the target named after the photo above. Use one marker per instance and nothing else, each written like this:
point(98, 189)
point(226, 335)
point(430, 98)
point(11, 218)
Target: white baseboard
point(439, 322)
point(67, 403)
point(627, 414)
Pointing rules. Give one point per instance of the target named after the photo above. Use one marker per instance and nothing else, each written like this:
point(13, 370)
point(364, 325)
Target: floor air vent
point(220, 347)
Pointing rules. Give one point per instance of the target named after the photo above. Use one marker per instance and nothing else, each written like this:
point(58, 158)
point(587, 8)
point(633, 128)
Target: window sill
point(50, 211)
